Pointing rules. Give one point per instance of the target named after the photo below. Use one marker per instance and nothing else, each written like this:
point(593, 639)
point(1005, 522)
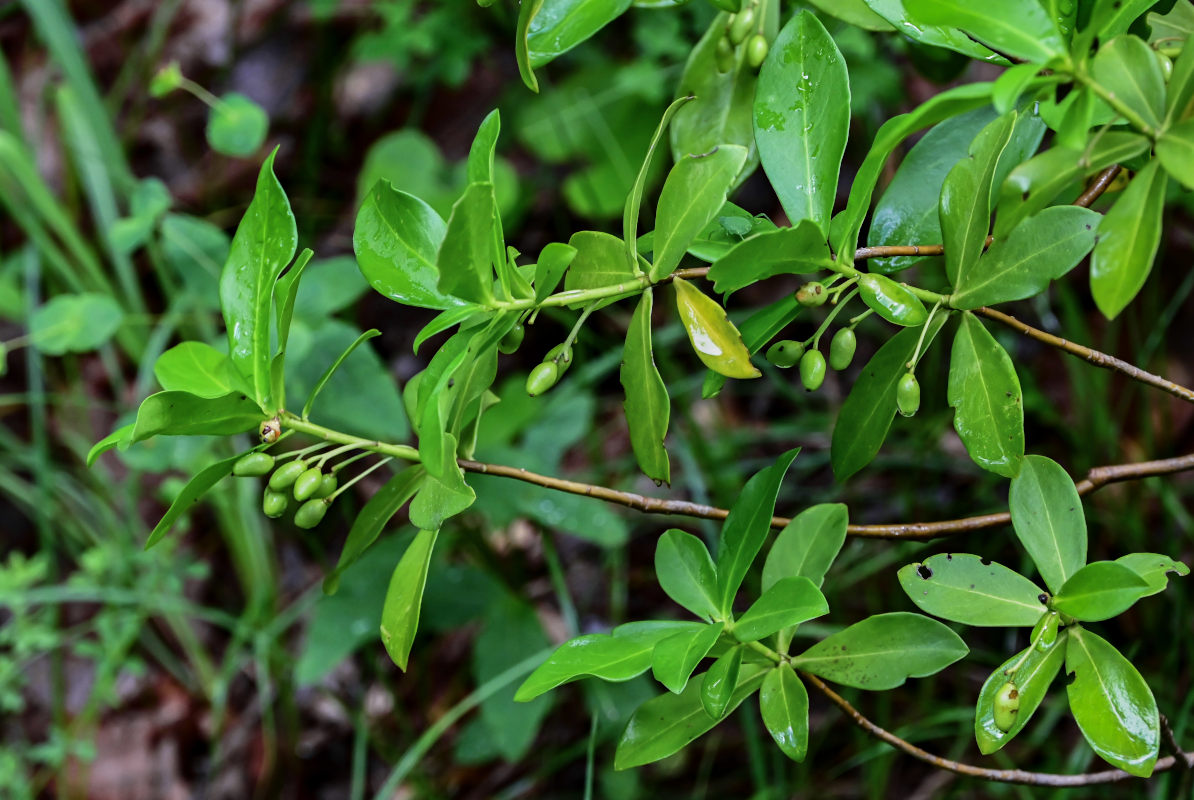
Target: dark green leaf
point(1048, 519)
point(781, 251)
point(184, 414)
point(236, 126)
point(1154, 568)
point(720, 680)
point(986, 396)
point(677, 655)
point(1032, 679)
point(464, 258)
point(647, 405)
point(1018, 28)
point(686, 573)
point(404, 598)
point(882, 651)
point(790, 601)
point(1099, 591)
point(1128, 240)
point(807, 545)
point(971, 590)
point(1112, 704)
point(1128, 70)
point(783, 704)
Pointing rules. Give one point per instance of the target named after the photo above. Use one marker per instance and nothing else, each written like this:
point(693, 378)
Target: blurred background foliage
point(212, 666)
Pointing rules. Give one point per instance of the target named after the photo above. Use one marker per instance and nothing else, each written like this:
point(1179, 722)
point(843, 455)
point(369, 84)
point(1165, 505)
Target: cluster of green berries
point(308, 484)
point(547, 374)
point(739, 33)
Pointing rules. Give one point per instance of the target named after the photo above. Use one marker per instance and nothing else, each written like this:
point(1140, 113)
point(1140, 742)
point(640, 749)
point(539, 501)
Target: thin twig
point(1098, 186)
point(999, 775)
point(1094, 480)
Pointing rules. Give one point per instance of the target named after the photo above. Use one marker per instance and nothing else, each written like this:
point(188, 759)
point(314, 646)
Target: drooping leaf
point(714, 338)
point(781, 251)
point(1048, 519)
point(74, 323)
point(185, 414)
point(677, 655)
point(464, 257)
point(783, 704)
point(789, 601)
point(647, 406)
point(404, 598)
point(1036, 671)
point(1018, 28)
point(1112, 704)
point(971, 590)
point(807, 545)
point(1154, 568)
point(1128, 69)
point(882, 651)
point(686, 573)
point(1128, 240)
point(985, 394)
point(121, 437)
point(1099, 591)
point(199, 485)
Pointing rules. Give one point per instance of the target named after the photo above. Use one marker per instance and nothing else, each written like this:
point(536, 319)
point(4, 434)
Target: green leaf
point(184, 414)
point(1112, 704)
point(1128, 240)
point(866, 416)
point(807, 545)
point(404, 598)
point(1038, 250)
point(1154, 568)
point(335, 365)
point(199, 485)
point(1017, 28)
point(197, 368)
point(443, 321)
point(665, 724)
point(613, 657)
point(677, 655)
point(600, 261)
point(1048, 519)
point(986, 396)
point(441, 498)
point(1177, 24)
point(74, 323)
point(553, 262)
point(373, 517)
point(396, 239)
point(561, 25)
point(1099, 591)
point(480, 169)
point(783, 704)
point(630, 213)
point(236, 126)
point(936, 35)
point(1112, 17)
point(882, 651)
point(783, 251)
point(686, 573)
point(1180, 91)
point(526, 17)
point(265, 241)
point(1032, 678)
point(727, 230)
point(285, 295)
point(720, 680)
point(965, 207)
point(464, 256)
point(855, 12)
point(790, 601)
point(693, 193)
point(1175, 150)
point(972, 590)
point(647, 406)
point(746, 528)
point(1128, 70)
point(1010, 86)
point(121, 437)
point(802, 119)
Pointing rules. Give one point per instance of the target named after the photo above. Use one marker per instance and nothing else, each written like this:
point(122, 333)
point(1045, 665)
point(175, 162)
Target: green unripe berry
point(274, 503)
point(723, 55)
point(307, 484)
point(842, 347)
point(908, 395)
point(542, 378)
point(512, 340)
point(756, 50)
point(812, 370)
point(1007, 706)
point(811, 295)
point(287, 474)
point(310, 513)
point(740, 25)
point(562, 357)
point(785, 353)
point(252, 465)
point(892, 301)
point(1166, 64)
point(327, 486)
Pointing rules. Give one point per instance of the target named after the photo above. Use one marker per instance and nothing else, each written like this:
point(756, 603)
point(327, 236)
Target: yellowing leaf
point(714, 338)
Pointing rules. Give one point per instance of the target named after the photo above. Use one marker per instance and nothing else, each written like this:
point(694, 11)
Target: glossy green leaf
point(783, 251)
point(984, 392)
point(614, 657)
point(1018, 28)
point(479, 168)
point(74, 323)
point(1032, 678)
point(630, 213)
point(716, 341)
point(747, 527)
point(527, 11)
point(285, 296)
point(373, 517)
point(866, 416)
point(1011, 85)
point(802, 119)
point(677, 655)
point(855, 12)
point(121, 437)
point(1112, 704)
point(647, 406)
point(1127, 69)
point(936, 35)
point(396, 239)
point(686, 573)
point(972, 590)
point(783, 704)
point(441, 498)
point(1040, 249)
point(236, 126)
point(808, 545)
point(727, 230)
point(1129, 237)
point(789, 601)
point(464, 258)
point(882, 651)
point(184, 414)
point(1048, 519)
point(404, 598)
point(720, 680)
point(965, 199)
point(194, 490)
point(1099, 591)
point(1175, 150)
point(197, 368)
point(1154, 568)
point(561, 25)
point(693, 193)
point(1112, 17)
point(600, 261)
point(1179, 93)
point(553, 262)
point(264, 243)
point(665, 724)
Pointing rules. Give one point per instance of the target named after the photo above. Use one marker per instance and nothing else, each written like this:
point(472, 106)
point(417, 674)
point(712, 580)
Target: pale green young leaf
point(973, 591)
point(404, 598)
point(1048, 519)
point(1154, 568)
point(1129, 237)
point(554, 260)
point(647, 406)
point(599, 261)
point(984, 392)
point(464, 257)
point(1099, 591)
point(197, 368)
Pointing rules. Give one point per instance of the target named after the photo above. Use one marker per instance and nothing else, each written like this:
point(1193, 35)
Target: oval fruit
point(287, 474)
point(512, 340)
point(542, 378)
point(756, 50)
point(253, 464)
point(908, 395)
point(310, 513)
point(842, 347)
point(1007, 706)
point(812, 370)
point(562, 357)
point(740, 25)
point(307, 484)
point(785, 353)
point(274, 503)
point(327, 486)
point(892, 301)
point(811, 294)
point(723, 55)
point(714, 338)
